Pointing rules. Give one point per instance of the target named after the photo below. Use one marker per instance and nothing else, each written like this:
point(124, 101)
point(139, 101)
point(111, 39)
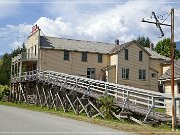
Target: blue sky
point(96, 20)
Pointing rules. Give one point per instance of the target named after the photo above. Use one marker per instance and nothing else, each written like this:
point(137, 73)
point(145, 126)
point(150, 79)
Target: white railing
point(25, 56)
point(129, 97)
point(29, 56)
point(120, 92)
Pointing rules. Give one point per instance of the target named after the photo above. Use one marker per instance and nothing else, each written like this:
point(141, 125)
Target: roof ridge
point(79, 40)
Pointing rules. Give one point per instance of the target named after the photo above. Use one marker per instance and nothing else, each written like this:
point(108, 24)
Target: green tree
point(5, 69)
point(5, 65)
point(144, 41)
point(163, 47)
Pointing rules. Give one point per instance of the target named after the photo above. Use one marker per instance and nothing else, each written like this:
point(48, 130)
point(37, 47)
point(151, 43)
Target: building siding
point(54, 60)
point(134, 65)
point(153, 81)
point(167, 86)
point(32, 42)
point(156, 64)
point(111, 73)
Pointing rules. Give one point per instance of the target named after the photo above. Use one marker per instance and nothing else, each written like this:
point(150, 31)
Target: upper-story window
point(140, 55)
point(142, 74)
point(126, 54)
point(125, 73)
point(35, 50)
point(84, 56)
point(66, 55)
point(100, 58)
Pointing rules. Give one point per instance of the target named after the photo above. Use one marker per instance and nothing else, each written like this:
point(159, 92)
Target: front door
point(91, 73)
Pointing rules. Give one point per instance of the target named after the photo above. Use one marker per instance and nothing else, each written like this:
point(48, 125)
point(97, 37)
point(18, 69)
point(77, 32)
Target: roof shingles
point(156, 55)
point(167, 74)
point(75, 45)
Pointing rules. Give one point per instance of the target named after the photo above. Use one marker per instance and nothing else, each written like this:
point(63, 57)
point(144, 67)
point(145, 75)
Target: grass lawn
point(122, 125)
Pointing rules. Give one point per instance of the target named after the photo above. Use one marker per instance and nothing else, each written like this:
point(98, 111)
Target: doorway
point(91, 73)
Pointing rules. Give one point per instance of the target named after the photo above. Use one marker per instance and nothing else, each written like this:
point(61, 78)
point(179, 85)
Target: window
point(84, 56)
point(142, 74)
point(178, 88)
point(100, 58)
point(153, 75)
point(35, 50)
point(125, 73)
point(91, 73)
point(66, 55)
point(126, 54)
point(140, 55)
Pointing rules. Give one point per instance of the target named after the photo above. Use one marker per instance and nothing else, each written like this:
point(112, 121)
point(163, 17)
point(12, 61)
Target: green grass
point(161, 110)
point(122, 125)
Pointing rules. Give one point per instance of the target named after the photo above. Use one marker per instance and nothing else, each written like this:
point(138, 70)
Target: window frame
point(100, 57)
point(66, 55)
point(153, 75)
point(125, 73)
point(126, 53)
point(142, 74)
point(84, 56)
point(140, 55)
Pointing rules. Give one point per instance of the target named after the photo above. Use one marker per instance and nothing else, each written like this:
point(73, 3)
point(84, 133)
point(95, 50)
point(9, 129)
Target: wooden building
point(128, 63)
point(165, 80)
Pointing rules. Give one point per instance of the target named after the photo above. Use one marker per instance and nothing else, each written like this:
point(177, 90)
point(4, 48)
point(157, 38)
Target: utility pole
point(172, 69)
point(158, 24)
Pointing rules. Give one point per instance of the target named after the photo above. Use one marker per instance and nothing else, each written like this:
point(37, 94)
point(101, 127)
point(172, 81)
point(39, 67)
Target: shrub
point(107, 102)
point(4, 91)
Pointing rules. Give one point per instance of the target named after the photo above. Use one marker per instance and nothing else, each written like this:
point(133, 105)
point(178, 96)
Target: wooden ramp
point(59, 90)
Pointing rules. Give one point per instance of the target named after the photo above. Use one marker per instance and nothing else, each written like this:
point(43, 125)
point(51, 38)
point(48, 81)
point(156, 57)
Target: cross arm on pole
point(155, 22)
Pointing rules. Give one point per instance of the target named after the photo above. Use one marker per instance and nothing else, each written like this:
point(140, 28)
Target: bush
point(107, 102)
point(4, 91)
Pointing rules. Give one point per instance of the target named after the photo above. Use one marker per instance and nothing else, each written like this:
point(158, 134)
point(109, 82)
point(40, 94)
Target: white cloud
point(14, 36)
point(9, 7)
point(97, 22)
point(119, 20)
point(56, 27)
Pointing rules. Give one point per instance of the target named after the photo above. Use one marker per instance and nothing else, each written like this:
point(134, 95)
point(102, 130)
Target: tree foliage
point(4, 91)
point(5, 66)
point(163, 47)
point(144, 41)
point(107, 102)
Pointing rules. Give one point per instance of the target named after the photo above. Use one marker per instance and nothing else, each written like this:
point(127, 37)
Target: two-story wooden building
point(128, 63)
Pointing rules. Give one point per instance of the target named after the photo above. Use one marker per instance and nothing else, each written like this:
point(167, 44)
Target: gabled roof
point(167, 74)
point(156, 55)
point(75, 45)
point(119, 48)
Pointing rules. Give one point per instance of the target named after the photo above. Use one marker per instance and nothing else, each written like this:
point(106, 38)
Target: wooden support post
point(96, 109)
point(71, 104)
point(38, 95)
point(52, 98)
point(45, 97)
point(22, 92)
point(84, 108)
point(60, 100)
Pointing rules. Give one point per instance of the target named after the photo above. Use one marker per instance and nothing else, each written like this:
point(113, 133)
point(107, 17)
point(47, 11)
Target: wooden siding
point(156, 64)
point(134, 65)
point(165, 68)
point(113, 59)
point(111, 74)
point(167, 86)
point(54, 60)
point(32, 42)
point(153, 81)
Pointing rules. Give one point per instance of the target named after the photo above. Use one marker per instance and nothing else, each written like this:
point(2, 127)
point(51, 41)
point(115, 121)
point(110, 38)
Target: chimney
point(117, 41)
point(151, 46)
